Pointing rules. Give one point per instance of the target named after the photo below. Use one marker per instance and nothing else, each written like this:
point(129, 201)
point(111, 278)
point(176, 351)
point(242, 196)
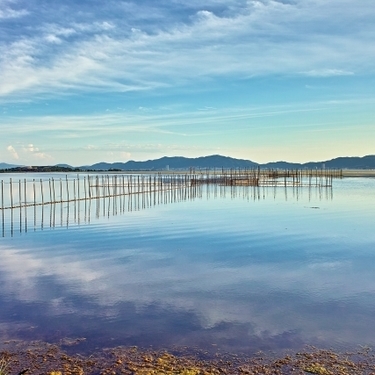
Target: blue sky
point(87, 81)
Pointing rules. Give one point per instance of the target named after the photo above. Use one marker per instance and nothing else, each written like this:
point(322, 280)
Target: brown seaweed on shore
point(42, 358)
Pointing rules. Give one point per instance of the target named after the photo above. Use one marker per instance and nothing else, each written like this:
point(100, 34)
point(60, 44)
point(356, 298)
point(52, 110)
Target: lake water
point(230, 269)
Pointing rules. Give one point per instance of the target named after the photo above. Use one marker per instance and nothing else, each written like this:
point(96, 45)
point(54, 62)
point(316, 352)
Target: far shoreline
point(358, 172)
point(52, 169)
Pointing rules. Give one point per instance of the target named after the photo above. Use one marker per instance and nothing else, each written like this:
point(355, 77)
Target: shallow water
point(232, 269)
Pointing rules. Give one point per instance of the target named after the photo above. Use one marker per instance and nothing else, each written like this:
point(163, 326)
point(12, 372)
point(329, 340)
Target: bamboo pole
point(25, 198)
point(74, 190)
point(34, 192)
point(50, 191)
point(84, 186)
point(41, 191)
point(61, 193)
point(67, 188)
point(2, 208)
point(19, 194)
point(54, 190)
point(89, 185)
point(2, 196)
point(78, 188)
point(11, 192)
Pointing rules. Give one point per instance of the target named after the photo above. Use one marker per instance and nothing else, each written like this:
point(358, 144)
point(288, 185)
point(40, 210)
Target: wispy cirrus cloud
point(328, 73)
point(7, 11)
point(210, 40)
point(103, 68)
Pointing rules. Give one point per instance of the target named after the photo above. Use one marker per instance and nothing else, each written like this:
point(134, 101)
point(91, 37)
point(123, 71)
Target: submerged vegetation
point(43, 358)
point(3, 366)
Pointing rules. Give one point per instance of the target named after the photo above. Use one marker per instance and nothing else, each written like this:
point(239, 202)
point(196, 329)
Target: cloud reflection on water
point(198, 273)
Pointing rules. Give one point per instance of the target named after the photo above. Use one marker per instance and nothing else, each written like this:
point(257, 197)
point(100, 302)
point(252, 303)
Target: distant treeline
point(47, 168)
point(51, 168)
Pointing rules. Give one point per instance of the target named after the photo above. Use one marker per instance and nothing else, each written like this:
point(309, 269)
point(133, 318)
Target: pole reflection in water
point(66, 214)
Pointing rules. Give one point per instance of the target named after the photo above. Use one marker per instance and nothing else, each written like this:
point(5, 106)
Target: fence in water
point(62, 213)
point(268, 177)
point(30, 218)
point(25, 192)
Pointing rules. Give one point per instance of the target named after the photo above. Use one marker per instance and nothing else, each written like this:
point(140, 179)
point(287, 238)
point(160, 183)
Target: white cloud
point(13, 152)
point(106, 25)
point(125, 155)
point(93, 27)
point(53, 39)
point(253, 38)
point(32, 153)
point(30, 148)
point(328, 73)
point(7, 12)
point(90, 147)
point(260, 38)
point(58, 30)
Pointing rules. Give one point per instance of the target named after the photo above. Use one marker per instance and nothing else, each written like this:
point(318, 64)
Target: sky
point(88, 81)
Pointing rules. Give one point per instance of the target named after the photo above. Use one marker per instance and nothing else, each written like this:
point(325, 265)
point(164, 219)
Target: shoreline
point(44, 358)
point(346, 172)
point(358, 173)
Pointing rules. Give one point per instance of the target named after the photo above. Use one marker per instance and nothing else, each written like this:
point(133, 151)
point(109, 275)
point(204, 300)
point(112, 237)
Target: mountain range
point(218, 161)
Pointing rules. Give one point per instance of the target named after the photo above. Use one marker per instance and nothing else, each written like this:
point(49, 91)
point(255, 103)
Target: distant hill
point(7, 166)
point(176, 162)
point(347, 162)
point(218, 161)
point(365, 162)
point(282, 165)
point(64, 166)
point(204, 162)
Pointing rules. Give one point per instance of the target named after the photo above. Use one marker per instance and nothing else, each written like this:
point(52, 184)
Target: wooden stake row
point(26, 193)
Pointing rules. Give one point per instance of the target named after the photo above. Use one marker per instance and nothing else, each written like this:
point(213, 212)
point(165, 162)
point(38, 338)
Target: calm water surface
point(230, 269)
